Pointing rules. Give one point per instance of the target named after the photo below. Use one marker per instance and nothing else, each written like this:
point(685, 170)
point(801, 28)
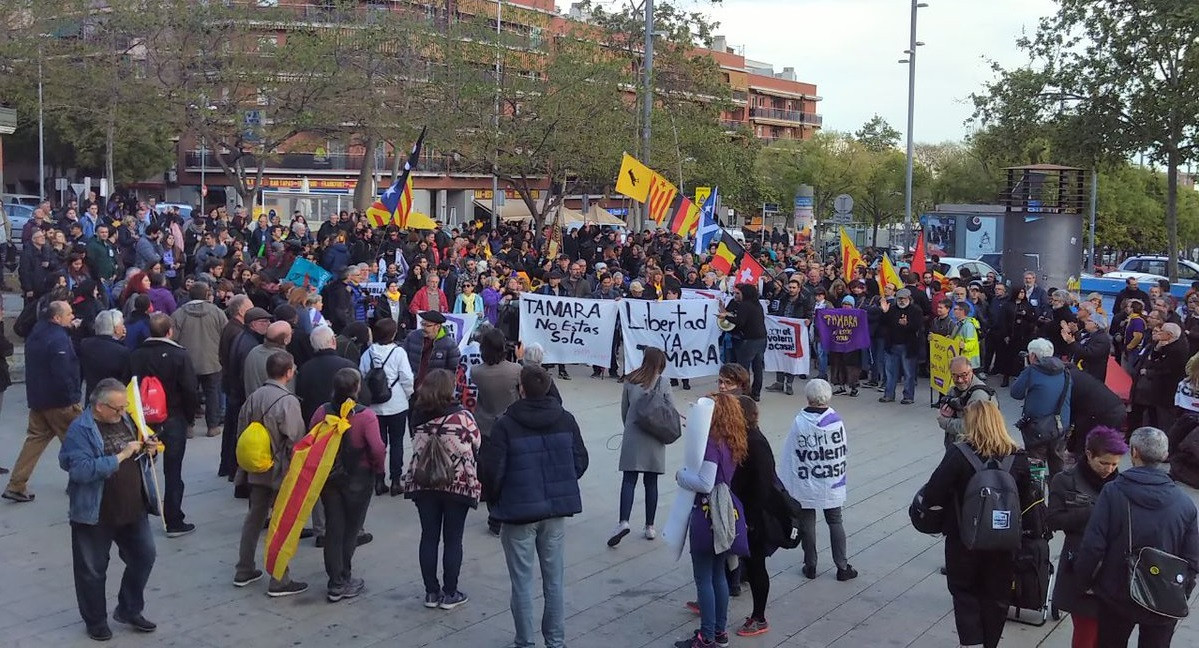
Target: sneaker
point(853, 393)
point(181, 529)
point(885, 399)
point(906, 401)
point(18, 496)
point(597, 374)
point(721, 639)
point(432, 600)
point(191, 431)
point(776, 387)
point(364, 538)
point(753, 627)
point(809, 571)
point(650, 533)
point(839, 390)
point(451, 601)
point(846, 574)
point(618, 534)
point(100, 632)
point(241, 580)
point(319, 542)
point(3, 470)
point(696, 641)
point(397, 488)
point(788, 389)
point(349, 589)
point(494, 529)
point(134, 620)
point(693, 606)
point(306, 533)
point(869, 383)
point(290, 589)
point(562, 375)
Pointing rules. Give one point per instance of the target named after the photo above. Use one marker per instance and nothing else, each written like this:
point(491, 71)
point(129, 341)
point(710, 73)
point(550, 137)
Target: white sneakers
point(650, 533)
point(619, 533)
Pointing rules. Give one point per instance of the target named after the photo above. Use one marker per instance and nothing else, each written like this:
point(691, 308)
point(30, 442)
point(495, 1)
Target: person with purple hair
point(1072, 495)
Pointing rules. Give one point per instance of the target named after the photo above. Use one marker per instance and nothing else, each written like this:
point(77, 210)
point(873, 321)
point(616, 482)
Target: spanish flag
point(684, 216)
point(850, 257)
point(659, 198)
point(887, 274)
point(311, 460)
point(727, 253)
point(634, 178)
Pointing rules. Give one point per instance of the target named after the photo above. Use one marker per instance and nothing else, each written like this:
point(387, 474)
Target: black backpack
point(989, 518)
point(377, 385)
point(433, 468)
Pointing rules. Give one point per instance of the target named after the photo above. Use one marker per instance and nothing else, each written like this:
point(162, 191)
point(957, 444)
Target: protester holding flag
point(111, 488)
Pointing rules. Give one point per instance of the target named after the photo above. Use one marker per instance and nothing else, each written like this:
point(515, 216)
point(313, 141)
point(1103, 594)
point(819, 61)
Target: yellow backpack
point(254, 452)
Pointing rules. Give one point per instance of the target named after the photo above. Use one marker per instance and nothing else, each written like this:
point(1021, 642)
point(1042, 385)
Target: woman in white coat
point(392, 414)
point(812, 467)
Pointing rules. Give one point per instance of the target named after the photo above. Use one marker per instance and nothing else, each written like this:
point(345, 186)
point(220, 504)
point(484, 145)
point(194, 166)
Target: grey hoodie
point(198, 326)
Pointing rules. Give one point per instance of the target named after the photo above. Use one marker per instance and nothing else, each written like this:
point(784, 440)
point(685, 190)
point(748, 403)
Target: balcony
point(788, 116)
point(333, 163)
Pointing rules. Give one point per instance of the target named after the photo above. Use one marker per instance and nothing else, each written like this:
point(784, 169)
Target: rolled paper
point(695, 441)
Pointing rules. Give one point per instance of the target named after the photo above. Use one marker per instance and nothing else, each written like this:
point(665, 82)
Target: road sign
point(843, 204)
point(701, 194)
point(841, 219)
point(770, 208)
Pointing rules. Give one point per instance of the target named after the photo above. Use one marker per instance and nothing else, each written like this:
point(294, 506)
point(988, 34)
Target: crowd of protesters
point(205, 304)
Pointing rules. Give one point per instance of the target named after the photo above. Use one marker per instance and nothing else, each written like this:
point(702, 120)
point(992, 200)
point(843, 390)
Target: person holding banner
point(641, 453)
point(789, 304)
point(749, 333)
point(110, 500)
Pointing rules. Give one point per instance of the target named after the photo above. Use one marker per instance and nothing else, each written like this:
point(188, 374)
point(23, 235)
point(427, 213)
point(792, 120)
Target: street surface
point(631, 596)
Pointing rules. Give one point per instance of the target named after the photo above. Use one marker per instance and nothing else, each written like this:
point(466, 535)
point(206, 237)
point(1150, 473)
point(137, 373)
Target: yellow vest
point(970, 344)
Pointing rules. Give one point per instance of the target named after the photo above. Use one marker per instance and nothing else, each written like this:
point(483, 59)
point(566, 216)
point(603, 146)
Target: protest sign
point(304, 272)
point(695, 443)
point(842, 329)
point(467, 392)
point(685, 329)
point(941, 350)
point(787, 346)
point(570, 330)
point(461, 326)
point(697, 293)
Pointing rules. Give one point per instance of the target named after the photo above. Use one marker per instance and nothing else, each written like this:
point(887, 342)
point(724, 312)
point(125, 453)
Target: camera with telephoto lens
point(955, 403)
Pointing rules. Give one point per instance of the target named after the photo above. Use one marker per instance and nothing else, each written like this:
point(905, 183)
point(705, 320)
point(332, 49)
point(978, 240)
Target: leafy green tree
point(877, 135)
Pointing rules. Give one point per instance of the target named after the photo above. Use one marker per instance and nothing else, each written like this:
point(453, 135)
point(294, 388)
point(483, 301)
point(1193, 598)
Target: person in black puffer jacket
point(529, 469)
point(788, 304)
point(749, 333)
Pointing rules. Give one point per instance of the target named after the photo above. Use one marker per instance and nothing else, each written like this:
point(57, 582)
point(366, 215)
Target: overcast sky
point(850, 50)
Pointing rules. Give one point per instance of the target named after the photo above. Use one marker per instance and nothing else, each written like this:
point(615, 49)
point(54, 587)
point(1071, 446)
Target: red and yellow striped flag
point(405, 207)
point(661, 195)
point(311, 460)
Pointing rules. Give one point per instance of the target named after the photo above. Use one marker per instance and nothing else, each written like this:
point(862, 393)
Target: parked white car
point(952, 267)
point(1152, 268)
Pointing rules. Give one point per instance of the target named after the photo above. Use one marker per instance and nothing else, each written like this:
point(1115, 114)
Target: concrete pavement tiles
point(631, 596)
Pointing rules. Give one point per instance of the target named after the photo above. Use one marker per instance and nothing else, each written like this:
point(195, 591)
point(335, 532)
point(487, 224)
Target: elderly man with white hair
point(1044, 386)
point(104, 355)
point(1142, 508)
point(1156, 378)
point(532, 356)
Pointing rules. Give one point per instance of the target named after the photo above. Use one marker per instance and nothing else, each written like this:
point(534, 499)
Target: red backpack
point(154, 400)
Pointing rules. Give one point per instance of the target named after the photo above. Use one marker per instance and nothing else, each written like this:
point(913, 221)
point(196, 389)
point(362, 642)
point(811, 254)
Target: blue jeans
point(878, 361)
point(90, 549)
point(712, 593)
point(524, 545)
point(442, 518)
point(210, 385)
point(173, 433)
point(391, 428)
point(751, 354)
point(898, 357)
point(820, 367)
point(628, 484)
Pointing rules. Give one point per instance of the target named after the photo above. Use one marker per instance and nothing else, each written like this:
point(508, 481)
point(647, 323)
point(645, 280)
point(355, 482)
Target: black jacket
point(1163, 369)
point(1072, 496)
point(314, 380)
point(531, 464)
point(173, 367)
point(1092, 399)
point(948, 483)
point(747, 314)
point(1163, 516)
point(754, 484)
point(907, 333)
point(238, 350)
point(1091, 350)
point(100, 357)
point(337, 306)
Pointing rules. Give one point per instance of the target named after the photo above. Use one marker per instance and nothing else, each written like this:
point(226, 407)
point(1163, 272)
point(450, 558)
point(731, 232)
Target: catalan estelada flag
point(311, 460)
point(404, 208)
point(728, 250)
point(385, 210)
point(887, 274)
point(850, 257)
point(684, 216)
point(659, 198)
point(634, 178)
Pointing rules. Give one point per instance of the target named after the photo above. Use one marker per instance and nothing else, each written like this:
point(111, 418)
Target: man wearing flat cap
point(430, 347)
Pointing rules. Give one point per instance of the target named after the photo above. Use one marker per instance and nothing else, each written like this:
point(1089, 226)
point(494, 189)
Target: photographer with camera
point(967, 388)
point(1044, 386)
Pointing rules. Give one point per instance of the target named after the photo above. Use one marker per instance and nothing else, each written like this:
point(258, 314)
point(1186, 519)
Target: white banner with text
point(572, 331)
point(685, 329)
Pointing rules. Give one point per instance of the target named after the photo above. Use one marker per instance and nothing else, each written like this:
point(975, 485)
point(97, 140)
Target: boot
point(1006, 381)
point(775, 387)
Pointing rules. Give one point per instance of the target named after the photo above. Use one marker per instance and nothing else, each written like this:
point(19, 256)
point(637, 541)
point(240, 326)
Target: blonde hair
point(986, 431)
point(1193, 370)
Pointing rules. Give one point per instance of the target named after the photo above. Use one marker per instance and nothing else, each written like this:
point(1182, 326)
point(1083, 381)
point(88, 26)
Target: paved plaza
point(631, 596)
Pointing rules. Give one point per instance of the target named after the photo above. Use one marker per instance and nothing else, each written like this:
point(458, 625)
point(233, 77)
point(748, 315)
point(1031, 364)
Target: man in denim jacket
point(112, 491)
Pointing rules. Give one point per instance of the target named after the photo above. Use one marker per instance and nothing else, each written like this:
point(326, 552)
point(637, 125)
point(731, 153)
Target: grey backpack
point(989, 518)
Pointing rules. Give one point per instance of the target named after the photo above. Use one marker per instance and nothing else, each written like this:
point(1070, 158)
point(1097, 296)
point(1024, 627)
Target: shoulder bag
point(1040, 430)
point(655, 414)
point(1157, 580)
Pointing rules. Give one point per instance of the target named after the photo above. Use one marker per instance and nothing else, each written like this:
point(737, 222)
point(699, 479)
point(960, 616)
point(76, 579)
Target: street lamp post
point(41, 137)
point(911, 61)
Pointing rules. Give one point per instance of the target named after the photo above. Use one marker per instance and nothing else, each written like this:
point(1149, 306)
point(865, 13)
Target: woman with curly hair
point(717, 531)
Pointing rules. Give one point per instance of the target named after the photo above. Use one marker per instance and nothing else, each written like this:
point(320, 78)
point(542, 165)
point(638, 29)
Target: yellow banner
point(634, 178)
point(941, 350)
point(701, 195)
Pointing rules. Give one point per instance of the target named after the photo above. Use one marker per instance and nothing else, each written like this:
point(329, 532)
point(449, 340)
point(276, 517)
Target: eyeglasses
point(961, 376)
point(113, 408)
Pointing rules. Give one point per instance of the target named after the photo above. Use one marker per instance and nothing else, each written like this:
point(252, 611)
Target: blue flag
point(708, 228)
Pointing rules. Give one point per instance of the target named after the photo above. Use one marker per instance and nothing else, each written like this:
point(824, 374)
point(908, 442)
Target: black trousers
point(173, 433)
point(91, 546)
point(980, 583)
point(1115, 628)
point(759, 584)
point(228, 464)
point(345, 511)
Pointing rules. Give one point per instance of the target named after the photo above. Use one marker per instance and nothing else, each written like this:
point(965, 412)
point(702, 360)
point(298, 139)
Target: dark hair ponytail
point(346, 383)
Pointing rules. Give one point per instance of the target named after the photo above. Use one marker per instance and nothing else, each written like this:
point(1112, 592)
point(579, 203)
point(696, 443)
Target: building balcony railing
point(731, 124)
point(794, 116)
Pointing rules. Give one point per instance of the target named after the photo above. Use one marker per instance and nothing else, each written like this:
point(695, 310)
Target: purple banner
point(842, 329)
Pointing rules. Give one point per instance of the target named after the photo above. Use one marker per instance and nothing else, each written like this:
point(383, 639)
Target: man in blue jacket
point(111, 497)
point(1142, 507)
point(1042, 385)
point(53, 389)
point(530, 468)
